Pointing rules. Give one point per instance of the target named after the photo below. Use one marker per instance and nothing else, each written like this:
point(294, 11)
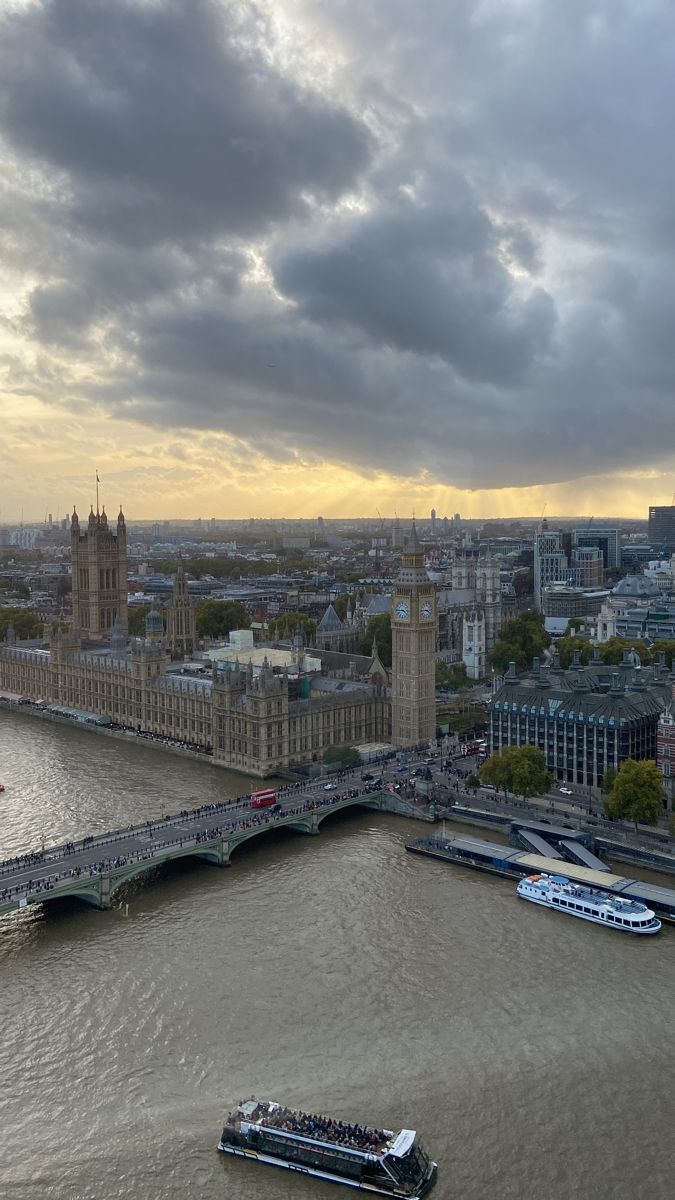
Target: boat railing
point(320, 1128)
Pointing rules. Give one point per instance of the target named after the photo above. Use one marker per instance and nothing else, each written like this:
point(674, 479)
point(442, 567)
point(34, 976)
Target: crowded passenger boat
point(364, 1157)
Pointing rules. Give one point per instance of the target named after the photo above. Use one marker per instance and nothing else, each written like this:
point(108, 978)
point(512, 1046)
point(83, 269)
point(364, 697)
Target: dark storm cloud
point(165, 126)
point(453, 256)
point(425, 278)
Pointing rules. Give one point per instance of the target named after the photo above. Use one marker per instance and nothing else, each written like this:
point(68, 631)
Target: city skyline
point(158, 499)
point(315, 260)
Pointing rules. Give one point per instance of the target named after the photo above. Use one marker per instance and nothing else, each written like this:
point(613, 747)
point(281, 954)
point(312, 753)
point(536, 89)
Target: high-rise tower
point(99, 575)
point(413, 650)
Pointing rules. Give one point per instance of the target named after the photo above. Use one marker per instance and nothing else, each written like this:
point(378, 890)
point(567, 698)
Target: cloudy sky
point(334, 256)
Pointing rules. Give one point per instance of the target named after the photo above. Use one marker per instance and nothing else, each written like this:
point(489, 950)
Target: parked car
point(366, 777)
point(565, 791)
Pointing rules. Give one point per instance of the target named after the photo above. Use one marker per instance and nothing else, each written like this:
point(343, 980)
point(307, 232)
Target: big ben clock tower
point(413, 650)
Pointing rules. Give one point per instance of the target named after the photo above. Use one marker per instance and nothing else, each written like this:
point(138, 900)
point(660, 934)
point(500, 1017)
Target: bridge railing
point(159, 851)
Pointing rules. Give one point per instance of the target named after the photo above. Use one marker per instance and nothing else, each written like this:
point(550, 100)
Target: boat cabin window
point(412, 1168)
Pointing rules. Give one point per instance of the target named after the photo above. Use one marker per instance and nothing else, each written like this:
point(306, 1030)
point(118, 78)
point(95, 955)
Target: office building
point(550, 562)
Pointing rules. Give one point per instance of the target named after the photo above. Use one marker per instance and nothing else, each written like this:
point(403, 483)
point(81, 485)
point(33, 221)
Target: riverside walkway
point(93, 868)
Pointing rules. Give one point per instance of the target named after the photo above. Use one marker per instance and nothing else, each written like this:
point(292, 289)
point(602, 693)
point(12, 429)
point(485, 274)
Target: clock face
point(402, 610)
point(426, 610)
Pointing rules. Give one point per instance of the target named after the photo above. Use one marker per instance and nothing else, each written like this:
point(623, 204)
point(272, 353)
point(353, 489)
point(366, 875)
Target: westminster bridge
point(94, 868)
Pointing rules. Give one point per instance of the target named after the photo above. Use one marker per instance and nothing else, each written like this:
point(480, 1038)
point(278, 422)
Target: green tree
point(496, 771)
point(340, 604)
point(26, 624)
point(566, 646)
point(346, 756)
point(473, 782)
point(293, 621)
point(136, 614)
point(21, 591)
point(608, 780)
point(636, 793)
point(378, 629)
point(611, 651)
point(573, 624)
point(518, 769)
point(520, 641)
point(452, 676)
point(215, 618)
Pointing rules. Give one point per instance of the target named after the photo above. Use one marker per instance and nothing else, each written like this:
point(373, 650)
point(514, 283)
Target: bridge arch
point(320, 814)
point(211, 852)
point(301, 823)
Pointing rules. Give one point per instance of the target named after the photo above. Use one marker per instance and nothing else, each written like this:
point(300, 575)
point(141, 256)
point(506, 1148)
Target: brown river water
point(534, 1054)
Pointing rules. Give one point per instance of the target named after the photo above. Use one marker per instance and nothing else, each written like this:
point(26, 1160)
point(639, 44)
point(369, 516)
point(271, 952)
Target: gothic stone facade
point(99, 575)
point(252, 723)
point(255, 723)
point(413, 651)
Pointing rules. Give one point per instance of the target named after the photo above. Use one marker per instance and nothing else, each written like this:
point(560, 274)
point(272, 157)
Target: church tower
point(413, 650)
point(99, 576)
point(181, 631)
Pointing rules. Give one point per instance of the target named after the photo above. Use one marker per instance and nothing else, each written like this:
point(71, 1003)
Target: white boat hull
point(290, 1166)
point(595, 920)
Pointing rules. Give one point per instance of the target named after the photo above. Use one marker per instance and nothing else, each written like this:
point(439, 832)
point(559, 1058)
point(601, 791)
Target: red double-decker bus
point(264, 798)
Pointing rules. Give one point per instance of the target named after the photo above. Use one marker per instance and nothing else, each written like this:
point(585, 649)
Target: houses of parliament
point(257, 720)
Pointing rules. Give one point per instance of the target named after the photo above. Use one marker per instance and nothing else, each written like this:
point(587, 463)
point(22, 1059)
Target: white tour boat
point(603, 908)
point(363, 1157)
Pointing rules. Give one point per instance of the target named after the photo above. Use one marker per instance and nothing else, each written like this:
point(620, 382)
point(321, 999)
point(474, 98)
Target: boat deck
point(594, 896)
point(316, 1127)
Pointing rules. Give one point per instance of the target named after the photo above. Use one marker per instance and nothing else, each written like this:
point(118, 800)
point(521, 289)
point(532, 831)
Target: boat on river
point(591, 904)
point(363, 1157)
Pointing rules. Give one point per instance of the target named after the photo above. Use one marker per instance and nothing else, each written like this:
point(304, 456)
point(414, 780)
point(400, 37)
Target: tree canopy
point(636, 793)
point(341, 604)
point(26, 623)
point(346, 756)
point(215, 618)
point(520, 640)
point(293, 620)
point(518, 769)
point(611, 651)
point(136, 614)
point(451, 676)
point(378, 629)
point(566, 647)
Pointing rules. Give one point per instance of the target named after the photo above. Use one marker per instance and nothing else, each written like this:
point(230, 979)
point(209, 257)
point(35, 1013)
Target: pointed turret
point(74, 521)
point(120, 517)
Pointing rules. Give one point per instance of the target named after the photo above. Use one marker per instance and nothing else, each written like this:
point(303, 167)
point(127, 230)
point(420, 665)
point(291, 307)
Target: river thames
point(533, 1054)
